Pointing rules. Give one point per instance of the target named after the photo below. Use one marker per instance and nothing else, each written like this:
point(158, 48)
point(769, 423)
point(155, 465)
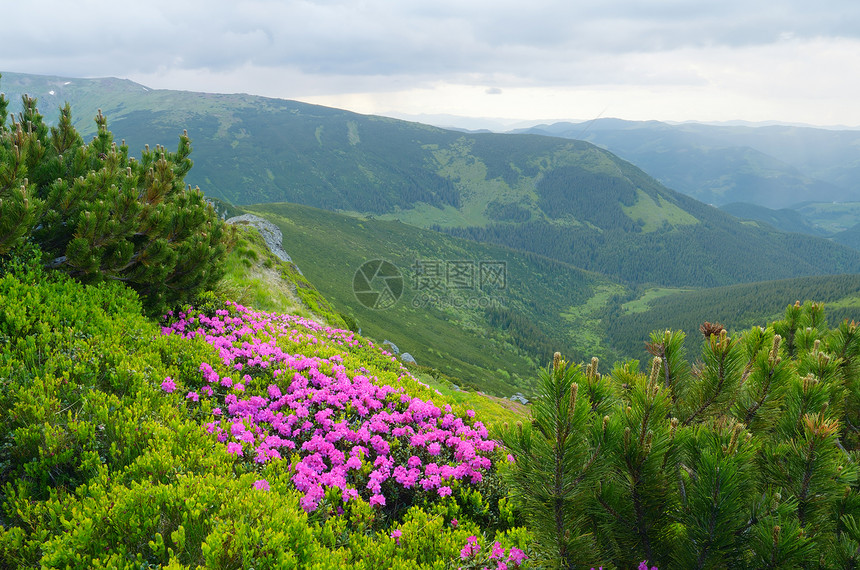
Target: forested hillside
point(531, 308)
point(737, 307)
point(719, 253)
point(566, 199)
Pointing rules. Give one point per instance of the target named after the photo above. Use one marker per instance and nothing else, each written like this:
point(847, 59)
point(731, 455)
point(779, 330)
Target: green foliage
point(100, 468)
point(19, 208)
point(747, 459)
point(558, 463)
point(100, 214)
point(701, 255)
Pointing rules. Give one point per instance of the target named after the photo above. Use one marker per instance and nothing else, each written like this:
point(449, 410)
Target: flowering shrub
point(105, 461)
point(496, 557)
point(339, 427)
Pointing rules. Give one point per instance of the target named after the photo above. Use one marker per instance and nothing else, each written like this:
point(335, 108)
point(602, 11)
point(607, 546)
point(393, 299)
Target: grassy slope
point(256, 278)
point(329, 248)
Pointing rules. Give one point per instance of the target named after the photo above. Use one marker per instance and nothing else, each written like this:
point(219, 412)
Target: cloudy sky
point(674, 60)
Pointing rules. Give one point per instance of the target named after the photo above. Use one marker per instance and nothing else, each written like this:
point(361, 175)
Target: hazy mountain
point(774, 166)
point(784, 219)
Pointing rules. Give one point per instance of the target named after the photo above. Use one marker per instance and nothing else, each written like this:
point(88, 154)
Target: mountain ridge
point(566, 198)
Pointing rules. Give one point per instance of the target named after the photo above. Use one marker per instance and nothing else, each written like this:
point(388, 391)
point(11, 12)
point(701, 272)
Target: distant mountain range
point(576, 206)
point(774, 166)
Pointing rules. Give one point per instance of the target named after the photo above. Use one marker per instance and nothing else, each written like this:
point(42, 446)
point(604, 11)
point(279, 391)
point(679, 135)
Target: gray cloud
point(353, 46)
point(383, 37)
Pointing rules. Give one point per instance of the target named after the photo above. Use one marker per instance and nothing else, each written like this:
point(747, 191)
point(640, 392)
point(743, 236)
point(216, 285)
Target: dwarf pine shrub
point(747, 459)
point(99, 213)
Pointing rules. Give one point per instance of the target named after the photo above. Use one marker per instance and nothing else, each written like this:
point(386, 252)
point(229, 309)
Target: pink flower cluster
point(498, 555)
point(343, 429)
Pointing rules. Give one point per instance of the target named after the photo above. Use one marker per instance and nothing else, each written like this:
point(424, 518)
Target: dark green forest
point(703, 255)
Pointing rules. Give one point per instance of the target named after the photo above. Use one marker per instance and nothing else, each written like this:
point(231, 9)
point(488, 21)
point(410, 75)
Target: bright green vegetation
point(643, 302)
point(110, 455)
point(746, 459)
point(101, 468)
point(465, 332)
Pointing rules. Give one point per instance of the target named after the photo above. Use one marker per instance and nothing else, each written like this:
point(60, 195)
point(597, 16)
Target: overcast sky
point(674, 60)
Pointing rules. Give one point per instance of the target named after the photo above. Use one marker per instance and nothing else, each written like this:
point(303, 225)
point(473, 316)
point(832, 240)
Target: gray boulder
point(519, 397)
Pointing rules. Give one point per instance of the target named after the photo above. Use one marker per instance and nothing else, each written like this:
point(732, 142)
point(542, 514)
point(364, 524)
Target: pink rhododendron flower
point(471, 549)
point(516, 556)
point(168, 385)
point(261, 484)
point(341, 423)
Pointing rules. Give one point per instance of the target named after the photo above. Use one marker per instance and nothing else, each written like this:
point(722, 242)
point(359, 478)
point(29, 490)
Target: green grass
point(643, 302)
point(656, 214)
point(493, 410)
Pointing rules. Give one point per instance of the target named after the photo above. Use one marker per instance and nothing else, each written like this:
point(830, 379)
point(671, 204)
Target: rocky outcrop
point(271, 234)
